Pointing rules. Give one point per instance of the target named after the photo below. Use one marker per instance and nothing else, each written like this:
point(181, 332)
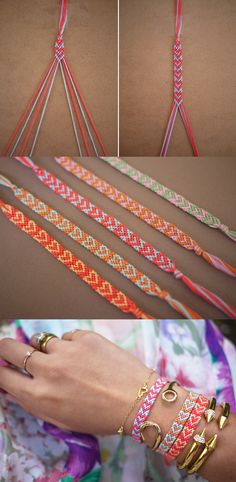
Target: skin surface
point(86, 383)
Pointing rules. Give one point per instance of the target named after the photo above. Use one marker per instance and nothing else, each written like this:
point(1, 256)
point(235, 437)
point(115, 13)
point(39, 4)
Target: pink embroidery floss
point(178, 102)
point(87, 137)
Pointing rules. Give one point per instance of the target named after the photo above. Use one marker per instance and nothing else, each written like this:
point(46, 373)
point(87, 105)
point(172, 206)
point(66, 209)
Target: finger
point(14, 352)
point(15, 383)
point(53, 345)
point(73, 335)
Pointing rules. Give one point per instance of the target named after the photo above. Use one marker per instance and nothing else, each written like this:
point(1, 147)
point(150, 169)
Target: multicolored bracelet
point(189, 427)
point(179, 423)
point(145, 409)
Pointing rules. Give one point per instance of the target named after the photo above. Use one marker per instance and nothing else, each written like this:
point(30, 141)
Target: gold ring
point(155, 425)
point(41, 340)
point(170, 391)
point(26, 359)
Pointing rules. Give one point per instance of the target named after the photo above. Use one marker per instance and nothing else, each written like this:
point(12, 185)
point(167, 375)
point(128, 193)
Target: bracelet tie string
point(100, 250)
point(178, 103)
point(66, 257)
point(144, 248)
point(143, 213)
point(25, 136)
point(169, 195)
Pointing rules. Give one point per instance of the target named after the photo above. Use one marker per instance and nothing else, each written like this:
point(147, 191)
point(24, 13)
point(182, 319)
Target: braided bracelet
point(146, 407)
point(189, 427)
point(91, 277)
point(143, 213)
point(178, 424)
point(169, 195)
point(97, 248)
point(178, 102)
point(83, 124)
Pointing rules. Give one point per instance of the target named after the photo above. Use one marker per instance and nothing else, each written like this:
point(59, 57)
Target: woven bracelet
point(145, 409)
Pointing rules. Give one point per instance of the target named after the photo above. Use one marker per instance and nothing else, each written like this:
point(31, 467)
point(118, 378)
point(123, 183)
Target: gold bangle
point(210, 446)
point(141, 392)
point(224, 417)
point(210, 412)
point(155, 425)
point(199, 439)
point(170, 391)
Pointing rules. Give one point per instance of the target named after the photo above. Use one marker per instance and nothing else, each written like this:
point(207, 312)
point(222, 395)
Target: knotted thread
point(178, 104)
point(24, 138)
point(143, 213)
point(100, 250)
point(144, 248)
point(169, 195)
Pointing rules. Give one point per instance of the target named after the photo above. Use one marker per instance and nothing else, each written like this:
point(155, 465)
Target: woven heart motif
point(169, 439)
point(189, 405)
point(176, 427)
point(183, 416)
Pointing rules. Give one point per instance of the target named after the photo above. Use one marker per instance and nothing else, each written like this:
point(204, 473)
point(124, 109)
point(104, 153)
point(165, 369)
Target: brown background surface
point(146, 79)
point(28, 32)
point(35, 285)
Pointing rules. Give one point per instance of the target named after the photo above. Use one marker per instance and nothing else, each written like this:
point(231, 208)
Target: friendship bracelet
point(169, 195)
point(143, 213)
point(141, 392)
point(178, 102)
point(87, 137)
point(178, 424)
point(97, 248)
point(91, 277)
point(189, 427)
point(126, 235)
point(146, 407)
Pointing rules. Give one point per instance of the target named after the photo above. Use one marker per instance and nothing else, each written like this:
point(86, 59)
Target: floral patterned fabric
point(193, 352)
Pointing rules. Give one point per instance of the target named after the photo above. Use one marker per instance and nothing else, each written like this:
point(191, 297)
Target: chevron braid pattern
point(189, 427)
point(146, 407)
point(143, 213)
point(179, 423)
point(59, 49)
point(170, 196)
point(98, 249)
point(178, 73)
point(66, 257)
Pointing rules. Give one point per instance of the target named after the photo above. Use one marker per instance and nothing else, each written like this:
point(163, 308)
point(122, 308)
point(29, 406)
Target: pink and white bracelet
point(146, 407)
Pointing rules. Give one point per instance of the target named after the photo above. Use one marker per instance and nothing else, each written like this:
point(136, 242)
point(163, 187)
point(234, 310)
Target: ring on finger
point(26, 359)
point(41, 340)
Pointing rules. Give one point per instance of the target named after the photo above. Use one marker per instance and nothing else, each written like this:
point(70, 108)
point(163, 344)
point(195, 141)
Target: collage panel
point(117, 267)
point(188, 46)
point(59, 79)
point(57, 424)
point(117, 241)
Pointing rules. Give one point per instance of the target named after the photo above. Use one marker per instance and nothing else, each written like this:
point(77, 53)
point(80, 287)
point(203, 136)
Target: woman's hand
point(84, 383)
